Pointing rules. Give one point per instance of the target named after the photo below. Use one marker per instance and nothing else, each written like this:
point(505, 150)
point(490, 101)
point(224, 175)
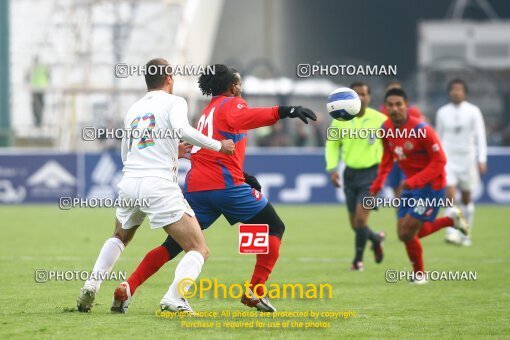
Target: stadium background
point(66, 55)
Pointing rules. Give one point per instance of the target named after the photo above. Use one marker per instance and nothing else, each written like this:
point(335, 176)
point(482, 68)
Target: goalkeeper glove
point(300, 112)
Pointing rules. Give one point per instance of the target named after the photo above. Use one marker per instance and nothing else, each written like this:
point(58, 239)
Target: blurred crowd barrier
point(287, 176)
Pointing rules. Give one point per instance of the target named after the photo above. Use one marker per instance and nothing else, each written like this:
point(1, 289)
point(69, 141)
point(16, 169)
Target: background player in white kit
point(461, 128)
point(150, 173)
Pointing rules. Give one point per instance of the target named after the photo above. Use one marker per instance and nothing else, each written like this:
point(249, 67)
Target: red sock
point(415, 254)
point(431, 227)
point(151, 263)
point(265, 263)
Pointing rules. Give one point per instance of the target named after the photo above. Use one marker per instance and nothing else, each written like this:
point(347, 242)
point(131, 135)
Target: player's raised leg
point(186, 232)
point(151, 263)
point(454, 219)
point(108, 256)
point(419, 221)
point(452, 236)
point(407, 230)
point(265, 263)
point(128, 219)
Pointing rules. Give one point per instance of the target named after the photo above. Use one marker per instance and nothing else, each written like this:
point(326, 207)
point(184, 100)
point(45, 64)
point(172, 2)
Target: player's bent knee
point(277, 229)
point(269, 216)
point(465, 198)
point(404, 235)
point(124, 235)
point(360, 223)
point(197, 245)
point(204, 251)
point(123, 239)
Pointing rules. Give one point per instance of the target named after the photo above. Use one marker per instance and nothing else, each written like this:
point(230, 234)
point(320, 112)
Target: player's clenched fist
point(185, 150)
point(227, 147)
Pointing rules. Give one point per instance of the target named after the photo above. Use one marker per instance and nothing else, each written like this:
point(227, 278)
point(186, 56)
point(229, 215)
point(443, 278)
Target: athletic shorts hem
point(172, 220)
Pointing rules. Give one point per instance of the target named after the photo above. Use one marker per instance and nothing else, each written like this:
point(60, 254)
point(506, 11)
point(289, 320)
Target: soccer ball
point(343, 104)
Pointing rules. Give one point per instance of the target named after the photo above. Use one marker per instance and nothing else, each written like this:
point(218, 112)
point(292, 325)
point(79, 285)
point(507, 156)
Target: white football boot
point(459, 222)
point(86, 299)
point(180, 305)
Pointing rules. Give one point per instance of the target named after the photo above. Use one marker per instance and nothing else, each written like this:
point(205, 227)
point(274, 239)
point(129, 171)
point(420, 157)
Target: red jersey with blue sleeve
point(225, 118)
point(420, 155)
point(412, 111)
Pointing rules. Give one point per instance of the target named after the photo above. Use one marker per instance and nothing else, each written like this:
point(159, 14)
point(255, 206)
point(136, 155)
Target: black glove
point(296, 111)
point(252, 181)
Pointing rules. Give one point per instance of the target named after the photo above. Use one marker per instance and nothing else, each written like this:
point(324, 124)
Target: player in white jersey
point(461, 128)
point(150, 175)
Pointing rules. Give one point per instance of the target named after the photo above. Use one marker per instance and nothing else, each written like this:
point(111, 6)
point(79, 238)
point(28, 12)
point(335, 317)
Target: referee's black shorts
point(357, 184)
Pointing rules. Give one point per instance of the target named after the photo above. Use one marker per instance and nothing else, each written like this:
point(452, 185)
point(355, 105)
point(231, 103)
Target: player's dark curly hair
point(395, 92)
point(215, 84)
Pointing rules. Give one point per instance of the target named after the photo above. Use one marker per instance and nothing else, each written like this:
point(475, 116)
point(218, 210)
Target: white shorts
point(462, 173)
point(165, 202)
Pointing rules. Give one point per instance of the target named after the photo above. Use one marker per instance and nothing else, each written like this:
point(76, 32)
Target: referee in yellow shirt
point(361, 153)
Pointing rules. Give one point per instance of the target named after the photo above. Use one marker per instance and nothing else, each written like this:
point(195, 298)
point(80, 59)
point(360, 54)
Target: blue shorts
point(238, 204)
point(395, 177)
point(428, 210)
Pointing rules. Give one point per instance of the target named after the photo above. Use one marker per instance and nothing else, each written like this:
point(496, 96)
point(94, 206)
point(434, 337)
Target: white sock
point(450, 230)
point(109, 254)
point(469, 213)
point(189, 267)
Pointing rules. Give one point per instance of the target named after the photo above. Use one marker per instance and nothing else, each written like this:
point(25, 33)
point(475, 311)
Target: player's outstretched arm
point(242, 117)
point(195, 137)
point(227, 146)
point(179, 120)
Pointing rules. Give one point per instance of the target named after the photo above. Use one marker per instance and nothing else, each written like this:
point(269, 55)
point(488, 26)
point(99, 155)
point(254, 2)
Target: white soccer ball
point(343, 104)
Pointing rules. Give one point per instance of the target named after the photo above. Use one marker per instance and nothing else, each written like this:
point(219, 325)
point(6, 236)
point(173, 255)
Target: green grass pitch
point(317, 248)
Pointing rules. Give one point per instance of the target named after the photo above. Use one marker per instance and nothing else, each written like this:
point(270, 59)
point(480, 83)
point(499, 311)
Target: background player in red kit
point(423, 161)
point(217, 185)
point(395, 179)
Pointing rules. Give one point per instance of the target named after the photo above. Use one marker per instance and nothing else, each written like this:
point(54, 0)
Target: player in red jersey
point(396, 177)
point(217, 186)
point(420, 156)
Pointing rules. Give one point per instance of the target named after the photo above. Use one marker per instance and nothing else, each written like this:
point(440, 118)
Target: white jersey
point(461, 130)
point(159, 115)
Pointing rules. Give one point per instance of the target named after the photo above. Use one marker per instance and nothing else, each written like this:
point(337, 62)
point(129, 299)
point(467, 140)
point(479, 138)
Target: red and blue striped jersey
point(225, 118)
